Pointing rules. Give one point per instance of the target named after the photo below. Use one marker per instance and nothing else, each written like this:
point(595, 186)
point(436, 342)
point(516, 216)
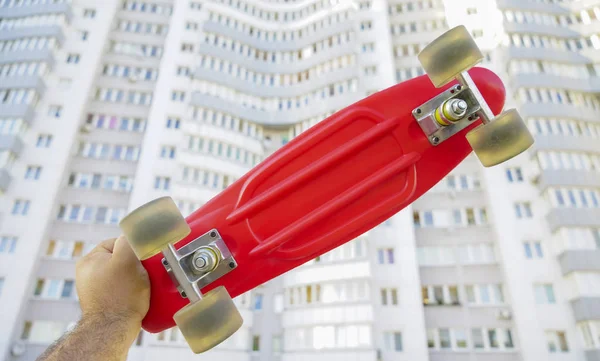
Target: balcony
point(568, 178)
point(532, 6)
point(561, 56)
point(11, 143)
point(586, 308)
point(28, 81)
point(274, 118)
point(562, 142)
point(42, 55)
point(589, 85)
point(279, 45)
point(265, 66)
point(540, 29)
point(579, 261)
point(20, 111)
point(592, 355)
point(276, 91)
point(48, 31)
point(549, 110)
point(573, 217)
point(38, 9)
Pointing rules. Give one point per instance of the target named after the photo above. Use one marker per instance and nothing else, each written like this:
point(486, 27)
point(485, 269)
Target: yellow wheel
point(452, 53)
point(210, 321)
point(500, 140)
point(151, 227)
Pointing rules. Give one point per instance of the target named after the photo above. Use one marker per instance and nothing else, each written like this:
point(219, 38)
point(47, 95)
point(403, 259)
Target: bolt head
point(200, 262)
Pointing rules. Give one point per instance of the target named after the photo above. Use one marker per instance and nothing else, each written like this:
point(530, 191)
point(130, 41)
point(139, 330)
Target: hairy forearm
point(95, 338)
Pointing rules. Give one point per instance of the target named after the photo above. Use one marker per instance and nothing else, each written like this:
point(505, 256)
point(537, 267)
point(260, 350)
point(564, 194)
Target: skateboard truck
point(447, 58)
point(153, 228)
point(453, 110)
point(198, 264)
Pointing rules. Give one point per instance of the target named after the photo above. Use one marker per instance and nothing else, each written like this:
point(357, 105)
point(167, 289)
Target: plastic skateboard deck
point(334, 182)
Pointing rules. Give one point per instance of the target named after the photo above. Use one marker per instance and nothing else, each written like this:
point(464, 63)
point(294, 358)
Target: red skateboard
point(326, 187)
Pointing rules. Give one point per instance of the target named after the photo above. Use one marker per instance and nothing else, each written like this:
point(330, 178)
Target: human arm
point(114, 294)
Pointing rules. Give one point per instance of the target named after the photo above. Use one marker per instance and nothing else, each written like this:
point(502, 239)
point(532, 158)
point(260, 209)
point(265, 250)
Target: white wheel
point(449, 55)
point(500, 140)
point(151, 227)
point(210, 321)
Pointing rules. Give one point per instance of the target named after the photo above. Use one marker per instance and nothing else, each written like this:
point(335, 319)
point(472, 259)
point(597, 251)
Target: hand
point(113, 285)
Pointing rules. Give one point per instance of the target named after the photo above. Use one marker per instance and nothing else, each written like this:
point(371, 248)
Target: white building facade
point(107, 105)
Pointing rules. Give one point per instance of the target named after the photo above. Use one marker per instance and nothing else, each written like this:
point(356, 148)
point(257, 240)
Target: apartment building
point(107, 105)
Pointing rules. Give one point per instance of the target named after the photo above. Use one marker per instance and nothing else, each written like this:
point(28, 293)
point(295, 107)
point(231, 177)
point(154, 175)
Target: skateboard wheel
point(210, 321)
point(452, 53)
point(500, 140)
point(151, 227)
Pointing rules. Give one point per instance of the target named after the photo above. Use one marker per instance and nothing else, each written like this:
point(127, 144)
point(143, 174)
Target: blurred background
point(105, 105)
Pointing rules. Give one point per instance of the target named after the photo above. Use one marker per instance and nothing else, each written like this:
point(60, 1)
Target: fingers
point(123, 251)
point(106, 246)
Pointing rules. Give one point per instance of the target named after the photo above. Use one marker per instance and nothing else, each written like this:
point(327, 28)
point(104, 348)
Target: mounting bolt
point(204, 260)
point(183, 294)
point(165, 262)
point(213, 234)
point(435, 140)
point(231, 265)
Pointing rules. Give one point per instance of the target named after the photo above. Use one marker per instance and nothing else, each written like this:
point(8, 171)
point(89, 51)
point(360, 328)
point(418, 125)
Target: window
point(393, 341)
point(183, 71)
point(67, 291)
point(1, 285)
point(366, 25)
point(191, 26)
point(55, 111)
point(508, 339)
point(444, 335)
point(162, 183)
point(514, 175)
point(44, 141)
point(20, 207)
point(557, 341)
point(187, 48)
point(484, 294)
point(440, 295)
point(256, 343)
point(460, 338)
point(167, 152)
point(523, 210)
point(368, 47)
point(83, 35)
point(389, 296)
point(89, 13)
point(544, 294)
point(73, 58)
point(278, 303)
point(277, 344)
point(33, 172)
point(258, 301)
point(173, 123)
point(178, 96)
point(8, 244)
point(493, 338)
point(477, 337)
point(533, 250)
